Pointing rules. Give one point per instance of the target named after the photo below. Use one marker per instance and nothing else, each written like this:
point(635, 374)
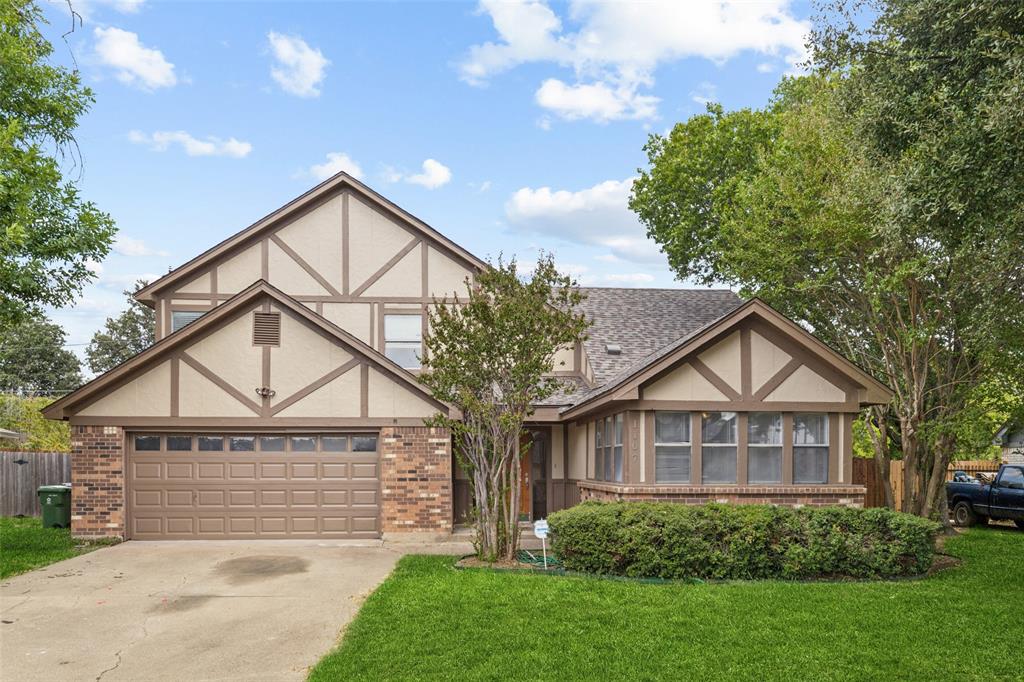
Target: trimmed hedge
point(718, 541)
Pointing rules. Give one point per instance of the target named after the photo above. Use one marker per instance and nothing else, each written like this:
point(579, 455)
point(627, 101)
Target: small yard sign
point(540, 529)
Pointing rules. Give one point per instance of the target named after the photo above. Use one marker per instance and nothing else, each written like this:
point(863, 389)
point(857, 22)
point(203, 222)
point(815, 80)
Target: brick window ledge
point(752, 489)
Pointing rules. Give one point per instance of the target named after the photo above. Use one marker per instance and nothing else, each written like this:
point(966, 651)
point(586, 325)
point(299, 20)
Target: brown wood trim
point(265, 370)
point(313, 386)
point(713, 406)
point(696, 429)
point(380, 327)
point(742, 440)
point(631, 448)
point(833, 447)
point(345, 246)
point(175, 384)
point(265, 260)
point(364, 390)
point(219, 382)
point(847, 436)
point(776, 379)
point(650, 463)
point(382, 270)
point(424, 279)
point(324, 298)
point(213, 286)
point(293, 254)
point(242, 424)
point(192, 307)
point(716, 381)
point(809, 358)
point(787, 448)
point(319, 307)
point(745, 363)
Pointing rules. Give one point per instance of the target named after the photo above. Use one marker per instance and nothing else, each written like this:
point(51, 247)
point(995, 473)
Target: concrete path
point(186, 610)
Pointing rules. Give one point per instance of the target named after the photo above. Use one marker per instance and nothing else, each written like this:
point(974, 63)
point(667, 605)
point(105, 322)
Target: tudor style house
point(280, 399)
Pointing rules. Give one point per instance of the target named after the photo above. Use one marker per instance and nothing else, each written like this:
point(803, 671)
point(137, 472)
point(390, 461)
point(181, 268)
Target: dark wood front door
point(533, 477)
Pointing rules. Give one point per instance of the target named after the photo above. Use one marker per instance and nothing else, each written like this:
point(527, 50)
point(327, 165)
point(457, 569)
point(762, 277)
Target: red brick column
point(97, 481)
point(416, 480)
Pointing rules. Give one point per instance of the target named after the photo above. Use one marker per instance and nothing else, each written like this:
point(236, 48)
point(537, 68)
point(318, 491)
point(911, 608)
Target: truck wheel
point(963, 515)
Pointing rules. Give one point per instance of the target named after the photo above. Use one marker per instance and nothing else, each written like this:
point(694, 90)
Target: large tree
point(123, 336)
point(489, 354)
point(880, 201)
point(34, 361)
point(49, 235)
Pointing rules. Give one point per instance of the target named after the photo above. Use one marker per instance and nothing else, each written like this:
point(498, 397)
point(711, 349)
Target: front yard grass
point(429, 620)
point(25, 544)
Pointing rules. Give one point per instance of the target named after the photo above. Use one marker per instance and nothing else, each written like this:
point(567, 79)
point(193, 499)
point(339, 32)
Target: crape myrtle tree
point(880, 201)
point(489, 355)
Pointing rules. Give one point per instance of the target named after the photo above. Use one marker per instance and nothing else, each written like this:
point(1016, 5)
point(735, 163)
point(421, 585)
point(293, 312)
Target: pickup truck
point(975, 500)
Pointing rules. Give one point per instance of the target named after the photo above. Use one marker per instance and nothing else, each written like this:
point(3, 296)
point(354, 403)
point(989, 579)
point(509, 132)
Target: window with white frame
point(403, 339)
point(608, 455)
point(764, 452)
point(718, 447)
point(810, 448)
point(672, 447)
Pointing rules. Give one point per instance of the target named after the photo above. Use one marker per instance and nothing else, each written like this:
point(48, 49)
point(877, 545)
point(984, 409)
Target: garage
point(189, 486)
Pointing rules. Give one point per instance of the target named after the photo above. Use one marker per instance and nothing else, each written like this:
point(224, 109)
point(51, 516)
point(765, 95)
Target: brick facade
point(796, 495)
point(416, 480)
point(97, 481)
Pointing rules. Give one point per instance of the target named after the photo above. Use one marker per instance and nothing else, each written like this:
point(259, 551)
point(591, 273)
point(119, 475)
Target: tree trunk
point(883, 453)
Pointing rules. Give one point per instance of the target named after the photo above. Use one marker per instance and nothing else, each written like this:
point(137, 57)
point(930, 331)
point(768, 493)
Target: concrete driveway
point(185, 610)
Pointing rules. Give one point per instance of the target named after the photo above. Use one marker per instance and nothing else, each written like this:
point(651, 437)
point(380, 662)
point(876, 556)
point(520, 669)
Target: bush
point(665, 540)
point(24, 415)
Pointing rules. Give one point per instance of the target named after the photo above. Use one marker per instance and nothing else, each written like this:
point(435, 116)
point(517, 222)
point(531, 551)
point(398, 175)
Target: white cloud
point(134, 63)
point(630, 278)
point(126, 6)
point(595, 216)
point(617, 46)
point(704, 94)
point(129, 246)
point(765, 67)
point(161, 140)
point(598, 101)
point(484, 186)
point(336, 163)
point(300, 68)
point(125, 281)
point(434, 174)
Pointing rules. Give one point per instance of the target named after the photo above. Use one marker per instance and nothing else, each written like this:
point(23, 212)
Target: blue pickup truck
point(976, 500)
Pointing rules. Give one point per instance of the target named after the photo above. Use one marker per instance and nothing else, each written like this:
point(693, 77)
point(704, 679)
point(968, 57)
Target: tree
point(123, 336)
point(25, 416)
point(881, 202)
point(33, 360)
point(49, 235)
point(488, 355)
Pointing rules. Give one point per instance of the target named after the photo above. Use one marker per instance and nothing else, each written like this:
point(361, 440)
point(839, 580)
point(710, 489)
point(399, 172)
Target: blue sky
point(508, 126)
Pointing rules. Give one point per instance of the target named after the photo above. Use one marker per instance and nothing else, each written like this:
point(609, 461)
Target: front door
point(533, 477)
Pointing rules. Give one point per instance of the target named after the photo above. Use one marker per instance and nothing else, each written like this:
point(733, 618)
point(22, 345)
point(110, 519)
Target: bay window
point(718, 447)
point(672, 448)
point(608, 455)
point(810, 448)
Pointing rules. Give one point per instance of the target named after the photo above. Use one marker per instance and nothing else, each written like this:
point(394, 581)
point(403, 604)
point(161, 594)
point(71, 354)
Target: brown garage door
point(207, 485)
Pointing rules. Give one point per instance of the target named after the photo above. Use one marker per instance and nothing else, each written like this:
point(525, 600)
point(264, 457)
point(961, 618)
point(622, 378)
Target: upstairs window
point(810, 448)
point(181, 318)
point(403, 339)
point(672, 447)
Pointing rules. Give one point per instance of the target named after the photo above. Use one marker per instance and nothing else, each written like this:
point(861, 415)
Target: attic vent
point(613, 349)
point(266, 329)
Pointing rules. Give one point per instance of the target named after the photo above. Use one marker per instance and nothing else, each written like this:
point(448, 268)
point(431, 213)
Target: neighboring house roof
point(1010, 435)
point(258, 291)
point(294, 209)
point(642, 321)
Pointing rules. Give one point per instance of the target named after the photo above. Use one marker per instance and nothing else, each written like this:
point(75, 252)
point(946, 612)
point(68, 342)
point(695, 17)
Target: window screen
point(672, 447)
point(764, 453)
point(810, 448)
point(608, 452)
point(718, 447)
point(403, 338)
point(180, 318)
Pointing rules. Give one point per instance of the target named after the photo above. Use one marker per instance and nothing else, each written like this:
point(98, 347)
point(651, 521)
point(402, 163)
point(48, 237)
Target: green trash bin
point(56, 503)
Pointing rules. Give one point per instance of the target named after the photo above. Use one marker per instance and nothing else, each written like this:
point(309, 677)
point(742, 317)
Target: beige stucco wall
point(557, 472)
point(239, 271)
point(564, 360)
point(765, 360)
point(199, 285)
point(317, 238)
point(806, 385)
point(683, 383)
point(404, 278)
point(373, 241)
point(724, 360)
point(148, 395)
point(288, 276)
point(304, 356)
point(355, 318)
point(200, 397)
point(387, 398)
point(339, 398)
point(577, 451)
point(229, 353)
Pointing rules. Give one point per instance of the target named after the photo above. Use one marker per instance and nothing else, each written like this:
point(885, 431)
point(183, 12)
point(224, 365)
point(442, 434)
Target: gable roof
point(632, 375)
point(222, 313)
point(293, 209)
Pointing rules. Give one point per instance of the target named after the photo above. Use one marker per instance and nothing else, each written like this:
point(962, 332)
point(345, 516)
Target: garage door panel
point(253, 494)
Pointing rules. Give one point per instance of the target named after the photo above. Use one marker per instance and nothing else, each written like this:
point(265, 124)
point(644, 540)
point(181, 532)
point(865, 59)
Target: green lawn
point(25, 544)
point(432, 621)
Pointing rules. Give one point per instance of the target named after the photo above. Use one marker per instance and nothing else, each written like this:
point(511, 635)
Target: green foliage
point(123, 336)
point(664, 540)
point(487, 355)
point(25, 544)
point(24, 415)
point(33, 359)
point(49, 235)
point(880, 201)
point(430, 621)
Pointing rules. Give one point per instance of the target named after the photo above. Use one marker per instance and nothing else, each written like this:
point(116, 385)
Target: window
point(271, 443)
point(211, 443)
point(764, 454)
point(718, 447)
point(608, 456)
point(364, 443)
point(303, 443)
point(810, 448)
point(403, 336)
point(1013, 477)
point(334, 443)
point(147, 443)
point(242, 443)
point(672, 447)
point(179, 443)
point(180, 318)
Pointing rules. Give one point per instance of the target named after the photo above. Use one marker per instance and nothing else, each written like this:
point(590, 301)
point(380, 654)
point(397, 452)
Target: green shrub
point(717, 541)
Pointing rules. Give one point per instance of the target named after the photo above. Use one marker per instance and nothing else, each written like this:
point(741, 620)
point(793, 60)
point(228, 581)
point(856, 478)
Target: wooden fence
point(865, 473)
point(22, 472)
